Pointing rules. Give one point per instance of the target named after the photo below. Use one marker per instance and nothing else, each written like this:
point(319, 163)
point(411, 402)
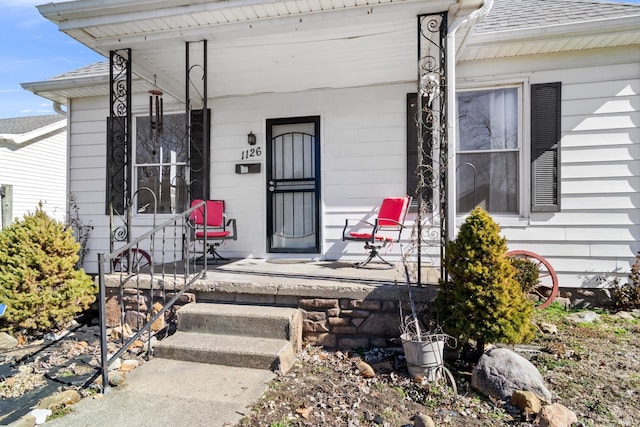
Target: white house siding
point(363, 139)
point(596, 233)
point(37, 172)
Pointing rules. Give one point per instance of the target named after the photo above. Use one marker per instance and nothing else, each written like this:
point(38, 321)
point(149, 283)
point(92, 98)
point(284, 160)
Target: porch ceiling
point(251, 40)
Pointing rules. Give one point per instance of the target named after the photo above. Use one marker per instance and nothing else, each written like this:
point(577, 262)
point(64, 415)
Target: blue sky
point(32, 49)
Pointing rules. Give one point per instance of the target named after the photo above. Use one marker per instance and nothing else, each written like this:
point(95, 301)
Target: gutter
point(29, 137)
point(468, 21)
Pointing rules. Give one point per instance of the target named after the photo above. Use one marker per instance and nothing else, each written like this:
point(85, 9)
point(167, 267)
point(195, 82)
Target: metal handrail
point(177, 221)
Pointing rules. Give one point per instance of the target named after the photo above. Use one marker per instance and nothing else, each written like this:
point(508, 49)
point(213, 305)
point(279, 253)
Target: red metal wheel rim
point(139, 259)
point(548, 289)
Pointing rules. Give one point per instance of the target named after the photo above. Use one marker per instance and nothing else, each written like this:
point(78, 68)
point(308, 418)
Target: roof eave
point(34, 135)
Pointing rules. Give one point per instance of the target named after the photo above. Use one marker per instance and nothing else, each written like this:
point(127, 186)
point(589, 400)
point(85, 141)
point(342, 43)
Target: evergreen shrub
point(39, 282)
point(483, 301)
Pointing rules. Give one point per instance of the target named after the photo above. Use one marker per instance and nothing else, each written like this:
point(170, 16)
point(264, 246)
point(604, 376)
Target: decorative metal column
point(431, 125)
point(197, 120)
point(119, 165)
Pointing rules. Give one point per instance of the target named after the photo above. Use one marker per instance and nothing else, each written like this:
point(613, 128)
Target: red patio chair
point(387, 228)
point(217, 225)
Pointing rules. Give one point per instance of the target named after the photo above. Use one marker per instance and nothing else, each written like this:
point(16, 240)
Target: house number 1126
point(251, 152)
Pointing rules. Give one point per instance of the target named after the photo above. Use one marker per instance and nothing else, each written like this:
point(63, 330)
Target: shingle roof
point(96, 69)
point(21, 125)
point(506, 15)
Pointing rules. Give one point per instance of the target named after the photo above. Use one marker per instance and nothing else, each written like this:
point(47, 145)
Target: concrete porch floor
point(289, 271)
point(285, 281)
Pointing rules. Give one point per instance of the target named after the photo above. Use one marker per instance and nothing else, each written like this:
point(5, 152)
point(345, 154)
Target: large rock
point(500, 372)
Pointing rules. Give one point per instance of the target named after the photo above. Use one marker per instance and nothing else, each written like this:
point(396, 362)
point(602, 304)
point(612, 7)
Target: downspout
point(57, 107)
point(468, 20)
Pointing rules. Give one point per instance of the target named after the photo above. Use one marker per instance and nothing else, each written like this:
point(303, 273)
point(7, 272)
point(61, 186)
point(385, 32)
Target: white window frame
point(149, 212)
point(524, 178)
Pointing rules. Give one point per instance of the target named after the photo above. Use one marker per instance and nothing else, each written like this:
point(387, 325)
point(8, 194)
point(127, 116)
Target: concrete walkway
point(165, 392)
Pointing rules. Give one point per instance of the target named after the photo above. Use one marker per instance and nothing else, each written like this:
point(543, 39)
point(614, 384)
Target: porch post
point(119, 163)
point(432, 130)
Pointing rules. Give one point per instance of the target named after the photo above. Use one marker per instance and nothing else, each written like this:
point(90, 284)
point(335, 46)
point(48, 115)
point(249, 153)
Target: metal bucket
point(424, 357)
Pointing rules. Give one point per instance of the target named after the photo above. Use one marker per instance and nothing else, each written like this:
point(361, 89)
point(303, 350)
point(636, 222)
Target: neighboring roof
point(21, 130)
point(508, 15)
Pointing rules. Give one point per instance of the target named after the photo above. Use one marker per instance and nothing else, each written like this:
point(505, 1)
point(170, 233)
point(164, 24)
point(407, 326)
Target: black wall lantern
point(251, 139)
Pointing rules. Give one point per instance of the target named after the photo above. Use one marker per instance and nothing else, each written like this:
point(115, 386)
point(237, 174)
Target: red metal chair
point(387, 228)
point(216, 226)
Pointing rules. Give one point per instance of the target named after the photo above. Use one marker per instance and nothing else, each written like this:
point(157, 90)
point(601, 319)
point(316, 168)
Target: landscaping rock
point(548, 328)
point(60, 400)
point(583, 317)
point(365, 369)
point(7, 342)
point(500, 372)
point(422, 420)
point(526, 401)
point(556, 415)
point(624, 315)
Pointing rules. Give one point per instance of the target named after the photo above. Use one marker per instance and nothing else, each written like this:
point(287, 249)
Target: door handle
point(272, 186)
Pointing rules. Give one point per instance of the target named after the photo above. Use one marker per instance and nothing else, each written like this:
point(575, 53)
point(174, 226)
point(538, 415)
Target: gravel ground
point(592, 368)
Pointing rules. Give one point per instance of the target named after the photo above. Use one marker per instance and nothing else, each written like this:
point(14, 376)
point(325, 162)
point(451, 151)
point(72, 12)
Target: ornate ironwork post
point(119, 147)
point(431, 125)
point(197, 123)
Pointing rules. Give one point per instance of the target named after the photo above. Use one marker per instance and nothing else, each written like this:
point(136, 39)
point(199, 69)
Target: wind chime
point(155, 129)
point(155, 115)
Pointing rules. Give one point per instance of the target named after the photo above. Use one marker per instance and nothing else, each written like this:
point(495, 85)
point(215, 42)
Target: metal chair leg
point(373, 253)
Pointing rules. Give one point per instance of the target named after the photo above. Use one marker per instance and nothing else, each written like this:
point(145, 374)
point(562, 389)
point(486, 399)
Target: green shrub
point(39, 283)
point(483, 301)
point(526, 273)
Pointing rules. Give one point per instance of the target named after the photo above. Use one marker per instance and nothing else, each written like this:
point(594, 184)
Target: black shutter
point(199, 157)
point(545, 147)
point(116, 166)
point(412, 155)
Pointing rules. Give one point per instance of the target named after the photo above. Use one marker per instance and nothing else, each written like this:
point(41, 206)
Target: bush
point(483, 301)
point(526, 273)
point(627, 296)
point(39, 283)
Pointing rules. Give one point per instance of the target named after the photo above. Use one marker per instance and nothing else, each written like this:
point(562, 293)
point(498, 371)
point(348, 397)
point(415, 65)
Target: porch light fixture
point(251, 139)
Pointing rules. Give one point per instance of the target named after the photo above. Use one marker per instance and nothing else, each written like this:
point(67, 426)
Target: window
point(488, 150)
point(161, 165)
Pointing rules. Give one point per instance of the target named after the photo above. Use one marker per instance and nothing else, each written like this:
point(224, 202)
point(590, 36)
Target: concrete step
point(247, 336)
point(236, 319)
point(229, 350)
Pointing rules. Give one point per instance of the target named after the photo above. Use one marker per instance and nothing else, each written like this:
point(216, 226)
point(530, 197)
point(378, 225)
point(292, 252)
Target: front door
point(293, 185)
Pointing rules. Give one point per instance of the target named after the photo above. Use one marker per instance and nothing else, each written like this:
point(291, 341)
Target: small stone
point(526, 400)
point(583, 317)
point(422, 420)
point(115, 364)
point(116, 378)
point(60, 400)
point(365, 369)
point(556, 415)
point(548, 328)
point(7, 342)
point(624, 315)
point(129, 365)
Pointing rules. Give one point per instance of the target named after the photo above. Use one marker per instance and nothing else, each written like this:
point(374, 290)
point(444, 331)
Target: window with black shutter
point(545, 147)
